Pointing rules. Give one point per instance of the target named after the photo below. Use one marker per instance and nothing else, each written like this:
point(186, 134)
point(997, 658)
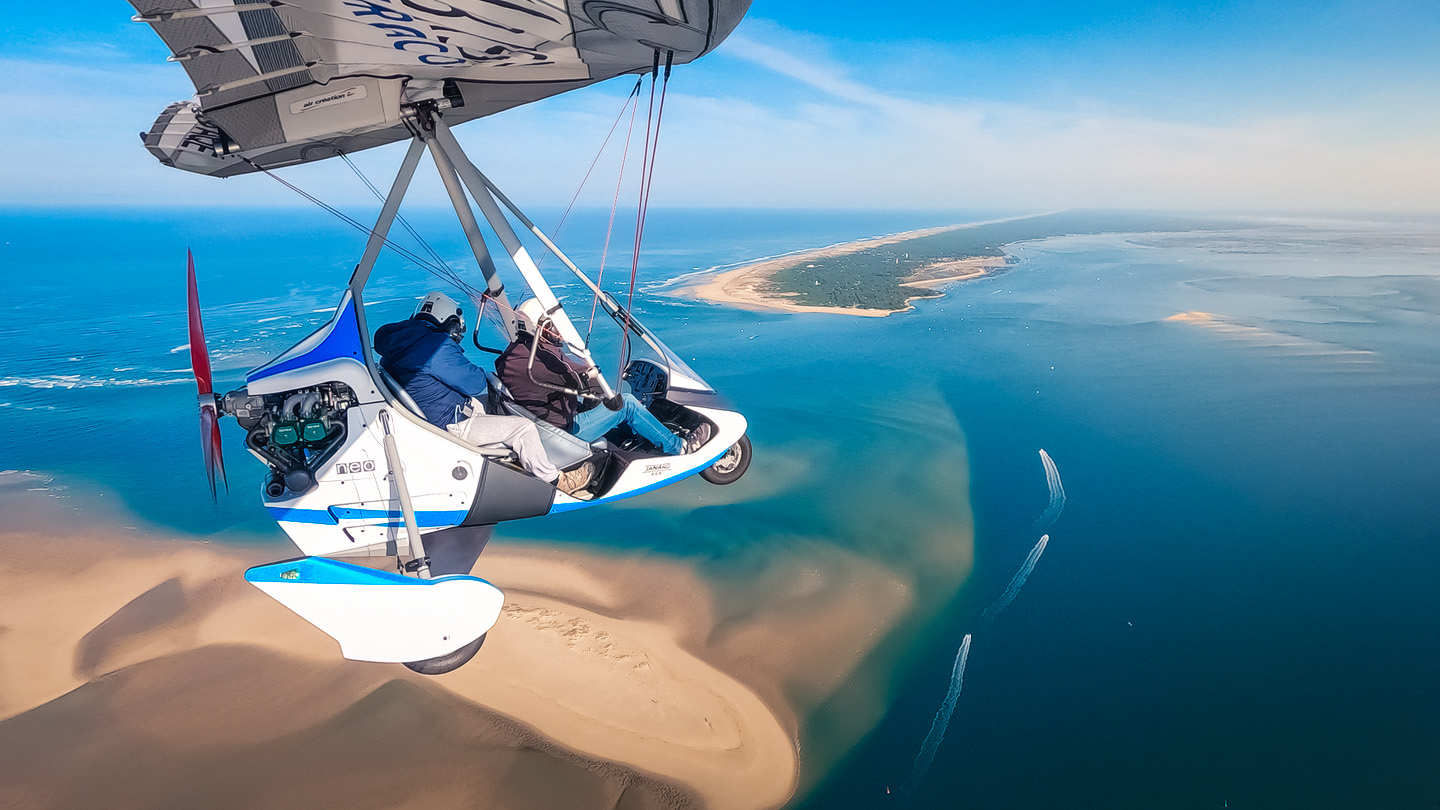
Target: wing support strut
point(377, 239)
point(607, 301)
point(446, 169)
point(459, 175)
point(479, 188)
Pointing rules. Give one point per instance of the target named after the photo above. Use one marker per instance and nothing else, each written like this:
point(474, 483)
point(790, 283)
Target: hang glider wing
point(290, 81)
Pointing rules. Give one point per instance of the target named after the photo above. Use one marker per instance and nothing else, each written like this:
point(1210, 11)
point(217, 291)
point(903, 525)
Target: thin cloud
point(815, 73)
point(780, 123)
point(858, 145)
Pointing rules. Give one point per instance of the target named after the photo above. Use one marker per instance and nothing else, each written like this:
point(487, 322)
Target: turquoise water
point(1236, 604)
point(93, 328)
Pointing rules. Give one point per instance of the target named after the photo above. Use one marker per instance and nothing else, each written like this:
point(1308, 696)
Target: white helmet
point(442, 309)
point(528, 314)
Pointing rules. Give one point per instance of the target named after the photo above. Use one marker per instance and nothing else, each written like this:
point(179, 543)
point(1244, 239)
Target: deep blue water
point(1236, 606)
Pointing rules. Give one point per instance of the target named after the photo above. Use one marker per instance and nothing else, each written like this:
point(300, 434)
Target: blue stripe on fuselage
point(323, 571)
point(333, 516)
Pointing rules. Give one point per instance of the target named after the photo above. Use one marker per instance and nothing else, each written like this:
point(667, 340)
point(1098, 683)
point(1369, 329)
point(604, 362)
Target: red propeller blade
point(210, 446)
point(199, 354)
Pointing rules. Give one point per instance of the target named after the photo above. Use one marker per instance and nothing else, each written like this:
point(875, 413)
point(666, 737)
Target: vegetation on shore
point(873, 278)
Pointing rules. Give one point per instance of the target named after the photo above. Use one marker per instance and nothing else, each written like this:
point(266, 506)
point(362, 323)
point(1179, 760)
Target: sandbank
point(140, 672)
point(1271, 338)
point(746, 287)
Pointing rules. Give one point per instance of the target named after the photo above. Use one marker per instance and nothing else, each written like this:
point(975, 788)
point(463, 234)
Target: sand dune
point(239, 726)
point(139, 673)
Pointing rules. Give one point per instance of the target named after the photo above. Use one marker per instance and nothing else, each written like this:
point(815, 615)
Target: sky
point(1240, 106)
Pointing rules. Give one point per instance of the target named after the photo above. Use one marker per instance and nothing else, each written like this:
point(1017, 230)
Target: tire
point(449, 662)
point(729, 467)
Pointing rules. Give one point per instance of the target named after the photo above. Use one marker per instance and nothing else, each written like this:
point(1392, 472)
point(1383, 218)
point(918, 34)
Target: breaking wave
point(941, 722)
point(46, 381)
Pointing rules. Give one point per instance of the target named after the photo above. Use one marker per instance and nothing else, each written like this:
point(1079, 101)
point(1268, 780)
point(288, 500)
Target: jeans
point(598, 421)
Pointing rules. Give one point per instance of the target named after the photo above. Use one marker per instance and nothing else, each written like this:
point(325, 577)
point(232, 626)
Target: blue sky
point(1020, 105)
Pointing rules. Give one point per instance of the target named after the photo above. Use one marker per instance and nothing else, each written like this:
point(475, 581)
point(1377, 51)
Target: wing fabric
point(290, 81)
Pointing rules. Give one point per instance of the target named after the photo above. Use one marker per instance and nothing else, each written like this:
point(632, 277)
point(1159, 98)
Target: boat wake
point(942, 717)
point(1016, 583)
point(941, 722)
point(1047, 518)
point(1057, 494)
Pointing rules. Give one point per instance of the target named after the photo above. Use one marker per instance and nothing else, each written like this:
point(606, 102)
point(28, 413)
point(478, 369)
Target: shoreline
point(594, 675)
point(743, 287)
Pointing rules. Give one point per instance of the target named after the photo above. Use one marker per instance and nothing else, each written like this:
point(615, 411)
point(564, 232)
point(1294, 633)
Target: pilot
point(552, 369)
point(423, 355)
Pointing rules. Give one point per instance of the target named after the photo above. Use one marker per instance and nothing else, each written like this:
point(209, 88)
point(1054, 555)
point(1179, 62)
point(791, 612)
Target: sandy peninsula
point(747, 287)
point(142, 672)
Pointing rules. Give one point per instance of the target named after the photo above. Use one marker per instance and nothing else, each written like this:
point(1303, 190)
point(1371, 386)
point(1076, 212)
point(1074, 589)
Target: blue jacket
point(431, 367)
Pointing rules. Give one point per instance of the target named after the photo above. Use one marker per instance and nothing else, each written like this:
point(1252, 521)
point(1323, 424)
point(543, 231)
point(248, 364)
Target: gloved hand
point(615, 402)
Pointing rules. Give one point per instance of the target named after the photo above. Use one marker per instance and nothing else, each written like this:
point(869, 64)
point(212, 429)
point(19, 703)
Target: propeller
point(200, 364)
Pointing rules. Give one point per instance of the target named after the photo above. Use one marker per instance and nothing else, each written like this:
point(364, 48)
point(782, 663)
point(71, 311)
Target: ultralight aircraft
point(355, 471)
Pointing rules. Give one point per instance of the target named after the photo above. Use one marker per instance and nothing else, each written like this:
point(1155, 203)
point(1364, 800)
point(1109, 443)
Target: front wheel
point(449, 662)
point(729, 467)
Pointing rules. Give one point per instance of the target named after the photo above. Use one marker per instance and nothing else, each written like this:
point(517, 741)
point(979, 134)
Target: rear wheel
point(729, 467)
point(450, 662)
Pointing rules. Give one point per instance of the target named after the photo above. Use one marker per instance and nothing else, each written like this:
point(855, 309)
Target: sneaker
point(571, 481)
point(697, 438)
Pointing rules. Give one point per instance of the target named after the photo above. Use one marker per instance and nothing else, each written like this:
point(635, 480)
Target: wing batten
point(280, 58)
point(288, 81)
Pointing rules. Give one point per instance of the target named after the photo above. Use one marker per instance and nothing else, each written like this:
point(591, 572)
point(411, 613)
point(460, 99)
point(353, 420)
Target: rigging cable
point(480, 298)
point(435, 256)
point(614, 204)
point(444, 273)
point(647, 174)
point(555, 234)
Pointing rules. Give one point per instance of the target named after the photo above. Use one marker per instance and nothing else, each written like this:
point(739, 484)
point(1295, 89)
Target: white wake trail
point(941, 722)
point(1057, 494)
point(932, 742)
point(1016, 583)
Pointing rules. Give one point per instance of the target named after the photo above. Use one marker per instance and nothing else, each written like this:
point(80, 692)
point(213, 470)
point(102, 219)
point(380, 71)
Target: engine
point(294, 432)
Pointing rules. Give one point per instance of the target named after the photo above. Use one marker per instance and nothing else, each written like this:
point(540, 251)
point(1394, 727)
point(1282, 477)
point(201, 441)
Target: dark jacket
point(431, 367)
point(551, 366)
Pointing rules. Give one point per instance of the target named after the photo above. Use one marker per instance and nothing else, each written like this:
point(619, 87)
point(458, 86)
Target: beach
point(748, 286)
point(152, 665)
point(142, 658)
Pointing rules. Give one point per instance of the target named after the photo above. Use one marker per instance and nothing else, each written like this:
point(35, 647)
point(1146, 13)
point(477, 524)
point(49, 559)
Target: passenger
point(423, 355)
point(564, 410)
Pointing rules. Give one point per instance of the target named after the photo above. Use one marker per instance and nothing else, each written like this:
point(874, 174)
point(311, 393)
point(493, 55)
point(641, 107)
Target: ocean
point(1236, 603)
